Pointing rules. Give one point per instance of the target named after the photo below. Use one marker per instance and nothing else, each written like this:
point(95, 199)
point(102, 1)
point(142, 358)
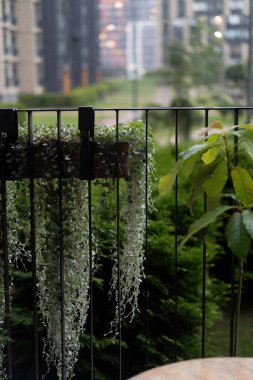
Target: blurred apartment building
point(225, 20)
point(21, 62)
point(128, 42)
point(71, 49)
point(47, 45)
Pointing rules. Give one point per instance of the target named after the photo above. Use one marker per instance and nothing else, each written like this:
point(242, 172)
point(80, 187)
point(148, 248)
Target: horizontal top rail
point(137, 109)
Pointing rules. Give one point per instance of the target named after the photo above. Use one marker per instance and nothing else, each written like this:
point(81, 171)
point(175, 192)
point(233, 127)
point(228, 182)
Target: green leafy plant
point(219, 169)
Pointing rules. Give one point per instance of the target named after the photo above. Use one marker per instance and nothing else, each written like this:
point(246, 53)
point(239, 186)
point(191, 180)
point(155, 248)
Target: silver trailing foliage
point(128, 267)
point(62, 254)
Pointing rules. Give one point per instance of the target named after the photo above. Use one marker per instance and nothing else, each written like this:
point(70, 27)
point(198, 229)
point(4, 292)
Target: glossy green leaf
point(243, 185)
point(214, 137)
point(189, 166)
point(210, 155)
point(166, 183)
point(205, 220)
point(246, 126)
point(199, 148)
point(247, 217)
point(247, 146)
point(201, 176)
point(212, 203)
point(244, 134)
point(238, 239)
point(215, 184)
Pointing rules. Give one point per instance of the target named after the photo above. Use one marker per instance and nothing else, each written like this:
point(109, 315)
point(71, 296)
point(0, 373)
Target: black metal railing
point(86, 116)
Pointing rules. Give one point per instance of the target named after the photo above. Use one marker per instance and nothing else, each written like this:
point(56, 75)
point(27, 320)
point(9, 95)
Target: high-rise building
point(71, 50)
point(9, 57)
point(141, 48)
point(45, 44)
point(30, 46)
point(21, 62)
point(226, 20)
point(112, 37)
point(125, 27)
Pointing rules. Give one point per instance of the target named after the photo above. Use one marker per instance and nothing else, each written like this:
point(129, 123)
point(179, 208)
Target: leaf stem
point(227, 155)
point(238, 306)
point(228, 164)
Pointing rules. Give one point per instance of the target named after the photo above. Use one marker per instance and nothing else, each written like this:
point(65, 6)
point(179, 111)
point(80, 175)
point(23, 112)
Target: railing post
point(8, 135)
point(86, 127)
point(8, 125)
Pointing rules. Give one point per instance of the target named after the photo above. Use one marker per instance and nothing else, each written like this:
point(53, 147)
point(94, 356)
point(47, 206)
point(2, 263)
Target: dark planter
point(51, 160)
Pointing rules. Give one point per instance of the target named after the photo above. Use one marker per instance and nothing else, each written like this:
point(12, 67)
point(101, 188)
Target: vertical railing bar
point(86, 123)
point(203, 321)
point(6, 277)
point(146, 237)
point(232, 347)
point(61, 244)
point(118, 244)
point(33, 245)
point(176, 239)
point(91, 268)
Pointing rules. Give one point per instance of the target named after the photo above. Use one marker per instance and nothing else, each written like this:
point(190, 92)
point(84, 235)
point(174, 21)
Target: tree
point(177, 70)
point(236, 75)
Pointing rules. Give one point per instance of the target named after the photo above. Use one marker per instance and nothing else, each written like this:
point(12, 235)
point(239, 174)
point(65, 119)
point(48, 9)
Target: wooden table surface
point(202, 369)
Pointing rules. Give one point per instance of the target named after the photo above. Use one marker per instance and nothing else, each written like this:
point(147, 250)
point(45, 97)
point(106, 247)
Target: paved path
point(161, 97)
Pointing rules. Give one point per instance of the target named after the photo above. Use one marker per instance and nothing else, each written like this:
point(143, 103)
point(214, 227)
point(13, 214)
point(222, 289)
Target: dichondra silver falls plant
point(62, 245)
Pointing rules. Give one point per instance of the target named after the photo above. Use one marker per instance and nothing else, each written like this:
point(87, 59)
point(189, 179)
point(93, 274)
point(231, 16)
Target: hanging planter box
point(46, 160)
point(86, 159)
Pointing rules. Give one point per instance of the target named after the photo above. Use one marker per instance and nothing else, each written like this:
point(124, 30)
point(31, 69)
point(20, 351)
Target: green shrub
point(79, 96)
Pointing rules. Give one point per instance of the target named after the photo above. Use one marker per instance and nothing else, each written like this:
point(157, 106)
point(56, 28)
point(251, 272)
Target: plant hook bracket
point(8, 125)
point(86, 119)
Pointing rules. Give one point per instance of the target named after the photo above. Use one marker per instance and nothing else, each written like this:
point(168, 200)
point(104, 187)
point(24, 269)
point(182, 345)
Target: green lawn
point(122, 98)
point(218, 336)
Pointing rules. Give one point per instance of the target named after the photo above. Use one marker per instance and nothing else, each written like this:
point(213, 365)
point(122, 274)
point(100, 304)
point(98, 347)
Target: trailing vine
point(16, 252)
point(76, 269)
point(2, 306)
point(130, 269)
point(72, 242)
point(62, 249)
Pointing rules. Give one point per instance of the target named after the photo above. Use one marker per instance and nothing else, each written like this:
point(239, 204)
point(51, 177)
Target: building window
point(11, 74)
point(236, 5)
point(178, 33)
point(9, 11)
point(3, 9)
point(39, 74)
point(200, 7)
point(235, 53)
point(5, 37)
point(14, 43)
point(10, 42)
point(6, 74)
point(38, 45)
point(181, 8)
point(13, 16)
point(37, 15)
point(15, 74)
